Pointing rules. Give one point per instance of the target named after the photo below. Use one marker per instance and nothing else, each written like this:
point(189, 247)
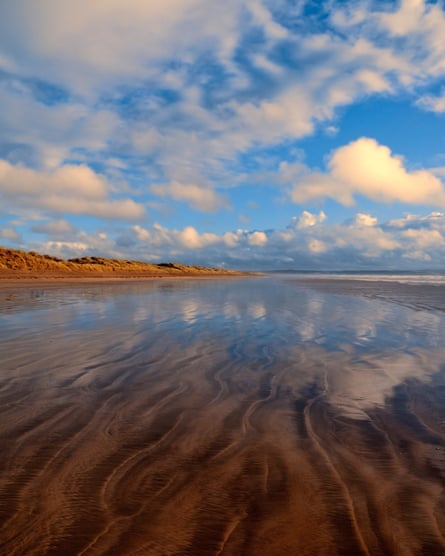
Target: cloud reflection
point(356, 350)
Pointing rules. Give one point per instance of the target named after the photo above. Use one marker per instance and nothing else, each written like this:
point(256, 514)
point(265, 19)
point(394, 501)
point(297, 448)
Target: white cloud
point(146, 140)
point(88, 46)
point(257, 239)
point(360, 243)
point(9, 233)
point(53, 132)
point(331, 130)
point(290, 114)
point(263, 17)
point(421, 25)
point(373, 81)
point(73, 248)
point(191, 239)
point(406, 19)
point(142, 233)
point(424, 238)
point(367, 168)
point(362, 219)
point(231, 239)
point(198, 197)
point(372, 170)
point(371, 241)
point(432, 103)
point(316, 246)
point(308, 220)
point(417, 255)
point(54, 228)
point(68, 189)
point(265, 64)
point(363, 236)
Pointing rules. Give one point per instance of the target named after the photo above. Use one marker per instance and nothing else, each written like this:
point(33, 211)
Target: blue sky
point(256, 134)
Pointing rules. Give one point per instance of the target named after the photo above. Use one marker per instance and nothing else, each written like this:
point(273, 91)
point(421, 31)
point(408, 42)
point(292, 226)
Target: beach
point(261, 415)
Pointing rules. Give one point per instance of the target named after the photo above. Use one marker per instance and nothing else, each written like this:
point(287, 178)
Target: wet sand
point(225, 418)
point(11, 285)
point(415, 295)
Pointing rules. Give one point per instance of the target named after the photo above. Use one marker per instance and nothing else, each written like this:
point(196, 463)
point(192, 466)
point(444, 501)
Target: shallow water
point(251, 416)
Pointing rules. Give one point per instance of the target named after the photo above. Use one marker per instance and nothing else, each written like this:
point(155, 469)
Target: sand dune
point(16, 264)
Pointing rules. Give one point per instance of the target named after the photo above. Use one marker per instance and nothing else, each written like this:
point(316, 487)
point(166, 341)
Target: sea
point(288, 413)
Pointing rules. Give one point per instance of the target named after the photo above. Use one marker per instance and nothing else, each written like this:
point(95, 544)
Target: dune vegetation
point(15, 263)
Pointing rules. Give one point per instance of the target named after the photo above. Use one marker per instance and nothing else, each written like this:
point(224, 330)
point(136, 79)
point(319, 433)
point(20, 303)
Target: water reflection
point(191, 310)
point(373, 345)
point(248, 413)
point(256, 310)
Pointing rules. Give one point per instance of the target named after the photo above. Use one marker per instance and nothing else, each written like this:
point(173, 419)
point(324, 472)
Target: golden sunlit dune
point(20, 264)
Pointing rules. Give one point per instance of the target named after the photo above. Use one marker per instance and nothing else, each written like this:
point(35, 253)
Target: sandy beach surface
point(14, 283)
point(186, 417)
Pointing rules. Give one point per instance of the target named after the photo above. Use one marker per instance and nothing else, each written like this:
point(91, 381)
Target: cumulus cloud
point(231, 239)
point(372, 170)
point(361, 243)
point(142, 234)
point(371, 241)
point(367, 168)
point(424, 238)
point(191, 239)
point(188, 238)
point(257, 239)
point(308, 220)
point(81, 244)
point(198, 197)
point(316, 246)
point(72, 189)
point(362, 219)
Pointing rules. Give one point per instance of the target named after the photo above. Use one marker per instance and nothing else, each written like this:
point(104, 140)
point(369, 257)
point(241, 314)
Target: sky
point(254, 134)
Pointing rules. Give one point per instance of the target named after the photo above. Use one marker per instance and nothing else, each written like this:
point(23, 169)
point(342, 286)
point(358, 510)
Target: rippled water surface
point(252, 416)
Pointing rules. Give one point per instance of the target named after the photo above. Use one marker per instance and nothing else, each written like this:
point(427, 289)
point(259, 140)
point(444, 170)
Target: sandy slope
point(19, 265)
